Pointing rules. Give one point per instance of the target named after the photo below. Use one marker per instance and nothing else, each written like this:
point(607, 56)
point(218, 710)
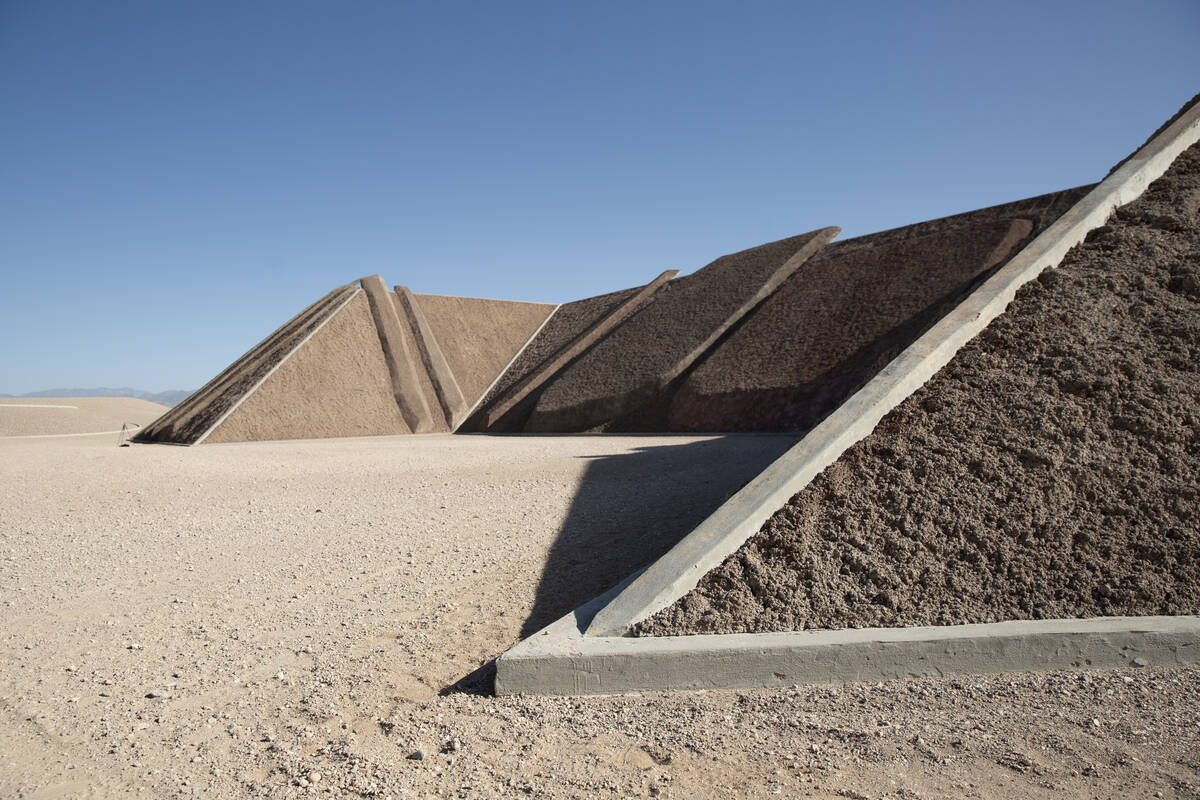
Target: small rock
point(416, 755)
point(452, 745)
point(1138, 661)
point(314, 777)
point(71, 667)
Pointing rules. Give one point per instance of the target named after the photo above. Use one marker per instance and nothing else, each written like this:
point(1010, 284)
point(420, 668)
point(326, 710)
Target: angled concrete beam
point(601, 328)
point(678, 572)
point(406, 386)
point(450, 397)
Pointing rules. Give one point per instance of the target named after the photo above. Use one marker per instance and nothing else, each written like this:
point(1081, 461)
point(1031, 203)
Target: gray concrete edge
point(561, 660)
point(678, 572)
point(449, 395)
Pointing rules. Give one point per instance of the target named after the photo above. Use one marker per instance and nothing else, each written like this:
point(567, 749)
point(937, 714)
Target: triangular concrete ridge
point(772, 338)
point(361, 361)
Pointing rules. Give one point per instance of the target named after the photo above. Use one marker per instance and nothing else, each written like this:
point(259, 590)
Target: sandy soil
point(60, 416)
point(1048, 471)
point(277, 620)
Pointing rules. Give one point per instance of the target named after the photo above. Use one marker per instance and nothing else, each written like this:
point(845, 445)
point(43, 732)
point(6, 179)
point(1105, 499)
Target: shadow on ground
point(633, 507)
point(629, 509)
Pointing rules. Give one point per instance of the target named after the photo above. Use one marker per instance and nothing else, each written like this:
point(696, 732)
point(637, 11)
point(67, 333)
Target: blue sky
point(178, 179)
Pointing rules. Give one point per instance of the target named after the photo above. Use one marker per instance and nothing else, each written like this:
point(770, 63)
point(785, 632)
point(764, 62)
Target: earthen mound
point(1048, 471)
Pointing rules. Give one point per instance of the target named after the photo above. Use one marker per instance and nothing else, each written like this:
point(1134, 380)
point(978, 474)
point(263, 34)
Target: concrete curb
point(561, 660)
point(406, 387)
point(582, 342)
point(337, 310)
point(449, 395)
point(677, 572)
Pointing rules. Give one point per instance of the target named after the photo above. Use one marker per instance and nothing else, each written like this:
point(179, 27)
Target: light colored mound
point(65, 416)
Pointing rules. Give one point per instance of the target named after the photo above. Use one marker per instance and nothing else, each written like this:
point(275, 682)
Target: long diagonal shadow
point(632, 507)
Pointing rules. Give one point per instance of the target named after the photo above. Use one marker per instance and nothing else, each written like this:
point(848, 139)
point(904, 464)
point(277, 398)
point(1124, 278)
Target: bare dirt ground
point(58, 416)
point(279, 619)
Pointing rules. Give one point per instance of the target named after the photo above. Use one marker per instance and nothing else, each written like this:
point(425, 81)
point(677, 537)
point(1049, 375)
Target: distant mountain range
point(168, 398)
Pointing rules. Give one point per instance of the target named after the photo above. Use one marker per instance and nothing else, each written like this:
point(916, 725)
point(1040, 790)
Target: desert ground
point(301, 619)
point(47, 417)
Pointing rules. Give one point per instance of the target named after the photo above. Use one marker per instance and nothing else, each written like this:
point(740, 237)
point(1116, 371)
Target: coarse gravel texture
point(1049, 471)
point(188, 421)
point(634, 364)
point(277, 620)
point(847, 312)
point(566, 324)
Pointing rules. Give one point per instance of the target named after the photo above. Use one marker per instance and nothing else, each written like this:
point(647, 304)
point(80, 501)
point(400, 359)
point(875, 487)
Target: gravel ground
point(58, 416)
point(1048, 471)
point(277, 620)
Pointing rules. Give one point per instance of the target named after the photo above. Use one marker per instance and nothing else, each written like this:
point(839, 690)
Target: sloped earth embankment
point(1048, 471)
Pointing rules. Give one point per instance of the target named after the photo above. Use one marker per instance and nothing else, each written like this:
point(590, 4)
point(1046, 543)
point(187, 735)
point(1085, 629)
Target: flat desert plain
point(316, 618)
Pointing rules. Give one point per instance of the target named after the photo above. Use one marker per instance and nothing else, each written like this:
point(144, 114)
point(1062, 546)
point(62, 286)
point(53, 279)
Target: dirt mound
point(567, 323)
point(479, 337)
point(335, 384)
point(188, 421)
point(635, 362)
point(849, 311)
point(1048, 471)
point(64, 416)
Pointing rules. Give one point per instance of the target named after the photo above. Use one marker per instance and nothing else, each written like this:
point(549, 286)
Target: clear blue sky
point(177, 179)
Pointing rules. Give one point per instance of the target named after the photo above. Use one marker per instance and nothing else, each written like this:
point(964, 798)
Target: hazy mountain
point(168, 398)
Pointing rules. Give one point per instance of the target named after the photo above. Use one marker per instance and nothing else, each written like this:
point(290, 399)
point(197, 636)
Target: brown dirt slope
point(1048, 471)
point(335, 384)
point(479, 337)
point(188, 421)
point(633, 364)
point(849, 311)
point(569, 322)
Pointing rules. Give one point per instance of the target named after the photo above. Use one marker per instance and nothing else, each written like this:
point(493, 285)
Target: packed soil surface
point(281, 619)
point(1048, 471)
point(66, 416)
point(636, 362)
point(564, 326)
point(189, 420)
point(847, 312)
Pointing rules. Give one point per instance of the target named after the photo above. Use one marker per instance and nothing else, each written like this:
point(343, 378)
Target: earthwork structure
point(996, 416)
